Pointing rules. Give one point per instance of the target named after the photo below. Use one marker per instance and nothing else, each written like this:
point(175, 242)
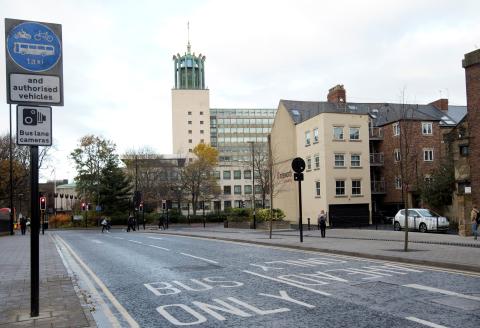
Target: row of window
point(339, 161)
point(227, 140)
point(427, 155)
point(201, 131)
point(241, 130)
point(237, 190)
point(427, 128)
point(190, 122)
point(190, 113)
point(338, 134)
point(241, 121)
point(340, 187)
point(242, 112)
point(237, 174)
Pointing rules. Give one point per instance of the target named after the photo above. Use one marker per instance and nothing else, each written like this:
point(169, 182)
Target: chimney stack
point(441, 104)
point(337, 94)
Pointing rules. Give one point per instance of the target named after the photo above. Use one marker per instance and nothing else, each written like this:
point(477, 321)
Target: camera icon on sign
point(32, 117)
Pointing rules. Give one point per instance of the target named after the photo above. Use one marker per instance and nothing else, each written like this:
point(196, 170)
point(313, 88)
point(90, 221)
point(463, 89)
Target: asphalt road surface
point(154, 280)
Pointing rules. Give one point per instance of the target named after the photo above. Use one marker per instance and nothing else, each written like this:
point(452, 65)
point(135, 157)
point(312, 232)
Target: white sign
point(34, 126)
point(26, 88)
point(468, 190)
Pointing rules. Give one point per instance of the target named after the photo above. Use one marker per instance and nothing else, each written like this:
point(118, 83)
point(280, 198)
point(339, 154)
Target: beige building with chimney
point(333, 139)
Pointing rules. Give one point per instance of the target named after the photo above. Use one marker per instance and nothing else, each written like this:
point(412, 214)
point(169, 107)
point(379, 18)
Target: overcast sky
point(118, 69)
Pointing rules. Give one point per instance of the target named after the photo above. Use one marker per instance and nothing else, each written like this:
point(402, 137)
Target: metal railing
point(378, 187)
point(376, 159)
point(376, 133)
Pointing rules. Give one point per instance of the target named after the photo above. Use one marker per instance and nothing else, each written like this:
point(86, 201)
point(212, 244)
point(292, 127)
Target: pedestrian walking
point(322, 223)
point(475, 217)
point(23, 224)
point(104, 224)
point(131, 223)
point(161, 222)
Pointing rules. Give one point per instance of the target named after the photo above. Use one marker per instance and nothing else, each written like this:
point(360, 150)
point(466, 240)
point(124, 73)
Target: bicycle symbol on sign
point(43, 35)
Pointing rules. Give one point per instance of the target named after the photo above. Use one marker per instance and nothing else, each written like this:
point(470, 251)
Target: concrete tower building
point(190, 103)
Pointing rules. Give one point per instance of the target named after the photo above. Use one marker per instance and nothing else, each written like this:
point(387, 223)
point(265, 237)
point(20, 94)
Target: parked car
point(421, 219)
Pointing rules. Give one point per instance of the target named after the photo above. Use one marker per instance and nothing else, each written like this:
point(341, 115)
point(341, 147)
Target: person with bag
point(23, 224)
point(322, 223)
point(475, 217)
point(104, 224)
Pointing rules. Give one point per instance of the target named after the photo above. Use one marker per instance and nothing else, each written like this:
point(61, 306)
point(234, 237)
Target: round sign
point(33, 46)
point(298, 165)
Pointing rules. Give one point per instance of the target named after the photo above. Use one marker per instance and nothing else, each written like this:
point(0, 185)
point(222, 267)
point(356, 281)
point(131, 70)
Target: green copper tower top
point(189, 69)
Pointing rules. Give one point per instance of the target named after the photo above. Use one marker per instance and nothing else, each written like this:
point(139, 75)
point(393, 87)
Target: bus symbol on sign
point(33, 46)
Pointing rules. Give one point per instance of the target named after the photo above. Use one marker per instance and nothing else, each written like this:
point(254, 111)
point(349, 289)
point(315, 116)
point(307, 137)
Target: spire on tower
point(188, 37)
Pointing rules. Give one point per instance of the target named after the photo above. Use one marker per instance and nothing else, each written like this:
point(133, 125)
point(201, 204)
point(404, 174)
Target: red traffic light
point(83, 206)
point(43, 203)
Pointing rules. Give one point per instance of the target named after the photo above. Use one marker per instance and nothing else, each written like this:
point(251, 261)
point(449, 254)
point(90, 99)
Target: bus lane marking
point(162, 288)
point(165, 249)
point(135, 241)
point(200, 258)
point(425, 322)
point(157, 238)
point(442, 291)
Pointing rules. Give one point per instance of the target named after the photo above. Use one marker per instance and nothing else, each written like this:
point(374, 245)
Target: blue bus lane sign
point(34, 47)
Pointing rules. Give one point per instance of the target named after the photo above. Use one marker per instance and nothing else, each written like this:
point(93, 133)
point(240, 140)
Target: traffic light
point(43, 203)
point(141, 207)
point(83, 206)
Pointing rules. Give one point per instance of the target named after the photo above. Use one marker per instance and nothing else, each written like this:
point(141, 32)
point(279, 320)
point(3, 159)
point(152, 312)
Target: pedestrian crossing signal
point(43, 203)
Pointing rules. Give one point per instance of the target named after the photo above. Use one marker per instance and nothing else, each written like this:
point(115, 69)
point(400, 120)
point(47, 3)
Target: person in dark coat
point(23, 225)
point(322, 223)
point(130, 224)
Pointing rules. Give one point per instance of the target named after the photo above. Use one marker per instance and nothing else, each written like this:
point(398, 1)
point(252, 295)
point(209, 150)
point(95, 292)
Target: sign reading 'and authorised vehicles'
point(34, 62)
point(34, 126)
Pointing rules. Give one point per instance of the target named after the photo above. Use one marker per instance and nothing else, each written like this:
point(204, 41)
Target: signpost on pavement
point(298, 165)
point(34, 74)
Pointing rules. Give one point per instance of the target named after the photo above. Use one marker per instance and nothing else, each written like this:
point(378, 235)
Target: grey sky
point(118, 68)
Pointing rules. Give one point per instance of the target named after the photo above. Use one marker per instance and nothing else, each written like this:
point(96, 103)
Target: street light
point(253, 183)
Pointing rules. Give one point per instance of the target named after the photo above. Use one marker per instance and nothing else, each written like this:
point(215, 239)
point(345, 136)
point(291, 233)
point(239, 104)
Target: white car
point(421, 219)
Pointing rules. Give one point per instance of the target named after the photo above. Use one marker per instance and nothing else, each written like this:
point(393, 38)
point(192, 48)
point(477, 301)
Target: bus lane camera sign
point(34, 63)
point(34, 126)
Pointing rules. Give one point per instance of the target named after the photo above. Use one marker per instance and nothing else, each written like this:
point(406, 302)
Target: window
point(396, 129)
point(258, 189)
point(247, 189)
point(317, 162)
point(189, 131)
point(463, 150)
point(201, 131)
point(355, 160)
point(216, 174)
point(396, 155)
point(227, 204)
point(309, 163)
point(315, 135)
point(201, 122)
point(356, 187)
point(227, 175)
point(427, 128)
point(317, 188)
point(189, 122)
point(201, 113)
point(190, 150)
point(189, 140)
point(237, 174)
point(237, 190)
point(339, 160)
point(227, 190)
point(338, 132)
point(307, 138)
point(340, 187)
point(354, 133)
point(247, 174)
point(202, 141)
point(189, 113)
point(398, 183)
point(428, 179)
point(428, 155)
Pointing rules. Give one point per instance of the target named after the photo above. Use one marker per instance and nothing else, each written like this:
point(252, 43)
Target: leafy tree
point(114, 189)
point(197, 177)
point(437, 191)
point(91, 157)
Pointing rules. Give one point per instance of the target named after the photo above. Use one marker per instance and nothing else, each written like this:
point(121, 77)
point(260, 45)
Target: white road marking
point(155, 238)
point(289, 283)
point(118, 237)
point(135, 241)
point(165, 249)
point(102, 286)
point(200, 258)
point(425, 322)
point(442, 291)
point(97, 241)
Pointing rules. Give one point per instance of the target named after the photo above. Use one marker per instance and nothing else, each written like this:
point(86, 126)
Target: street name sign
point(34, 63)
point(34, 126)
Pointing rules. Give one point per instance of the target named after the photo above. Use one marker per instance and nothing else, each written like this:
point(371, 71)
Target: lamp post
point(253, 184)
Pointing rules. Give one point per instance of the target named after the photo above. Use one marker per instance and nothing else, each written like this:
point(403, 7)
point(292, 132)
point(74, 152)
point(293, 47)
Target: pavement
point(434, 249)
point(61, 302)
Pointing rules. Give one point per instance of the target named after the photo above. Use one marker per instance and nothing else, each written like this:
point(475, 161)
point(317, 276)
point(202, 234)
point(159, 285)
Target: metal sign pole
point(300, 222)
point(11, 175)
point(34, 236)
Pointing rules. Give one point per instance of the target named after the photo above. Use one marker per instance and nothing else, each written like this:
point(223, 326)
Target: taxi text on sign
point(34, 63)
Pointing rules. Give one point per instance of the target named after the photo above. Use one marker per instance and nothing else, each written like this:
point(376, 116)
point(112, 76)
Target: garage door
point(349, 215)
